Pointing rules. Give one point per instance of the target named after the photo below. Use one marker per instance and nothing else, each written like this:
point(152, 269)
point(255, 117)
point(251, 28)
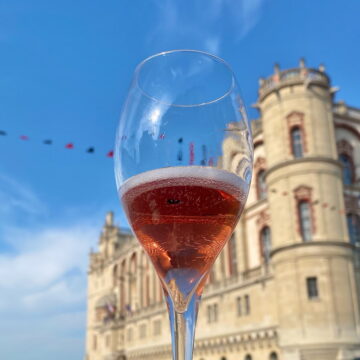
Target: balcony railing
point(292, 77)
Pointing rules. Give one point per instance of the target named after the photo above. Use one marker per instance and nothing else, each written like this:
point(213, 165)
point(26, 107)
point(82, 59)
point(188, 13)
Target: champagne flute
point(183, 165)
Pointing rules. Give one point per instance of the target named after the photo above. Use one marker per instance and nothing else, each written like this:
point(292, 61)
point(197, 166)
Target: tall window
point(122, 286)
point(215, 312)
point(232, 256)
point(146, 297)
point(273, 356)
point(212, 276)
point(115, 275)
point(130, 334)
point(248, 357)
point(157, 327)
point(312, 287)
point(212, 313)
point(239, 306)
point(353, 223)
point(261, 185)
point(247, 304)
point(348, 169)
point(142, 331)
point(265, 243)
point(296, 142)
point(107, 341)
point(305, 220)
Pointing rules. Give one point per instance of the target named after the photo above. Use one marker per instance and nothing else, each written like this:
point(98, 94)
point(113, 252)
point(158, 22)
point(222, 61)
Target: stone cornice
point(214, 342)
point(305, 159)
point(290, 77)
point(312, 244)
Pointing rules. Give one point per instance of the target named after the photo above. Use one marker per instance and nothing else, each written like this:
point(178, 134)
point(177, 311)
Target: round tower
point(312, 258)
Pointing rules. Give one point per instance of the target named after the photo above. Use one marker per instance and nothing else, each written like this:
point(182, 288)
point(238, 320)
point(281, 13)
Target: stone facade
point(287, 284)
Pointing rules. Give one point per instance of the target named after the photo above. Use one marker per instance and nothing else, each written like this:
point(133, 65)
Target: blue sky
point(65, 67)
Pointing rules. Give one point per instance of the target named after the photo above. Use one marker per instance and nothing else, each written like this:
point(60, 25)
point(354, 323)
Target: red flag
point(69, 146)
point(24, 137)
point(110, 154)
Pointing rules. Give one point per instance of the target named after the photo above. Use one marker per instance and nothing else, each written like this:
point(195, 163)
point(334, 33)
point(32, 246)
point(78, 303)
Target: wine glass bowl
point(182, 125)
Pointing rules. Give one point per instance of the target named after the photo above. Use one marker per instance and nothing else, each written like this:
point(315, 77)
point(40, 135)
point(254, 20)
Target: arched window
point(353, 223)
point(115, 275)
point(273, 356)
point(212, 276)
point(248, 357)
point(232, 256)
point(296, 141)
point(132, 283)
point(122, 286)
point(261, 185)
point(223, 358)
point(265, 237)
point(305, 220)
point(348, 169)
point(147, 290)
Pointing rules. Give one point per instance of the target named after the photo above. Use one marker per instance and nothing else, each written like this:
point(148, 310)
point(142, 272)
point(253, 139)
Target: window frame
point(247, 304)
point(265, 259)
point(212, 313)
point(95, 342)
point(301, 222)
point(261, 187)
point(296, 143)
point(351, 168)
point(354, 230)
point(232, 256)
point(157, 324)
point(310, 282)
point(239, 304)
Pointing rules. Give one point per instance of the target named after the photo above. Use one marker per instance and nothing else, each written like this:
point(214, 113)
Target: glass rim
point(214, 58)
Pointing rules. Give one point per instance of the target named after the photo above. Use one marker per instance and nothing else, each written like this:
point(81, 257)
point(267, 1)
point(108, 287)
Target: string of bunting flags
point(110, 154)
point(69, 145)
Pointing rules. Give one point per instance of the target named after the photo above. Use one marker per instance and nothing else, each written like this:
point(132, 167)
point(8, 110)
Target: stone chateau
point(287, 284)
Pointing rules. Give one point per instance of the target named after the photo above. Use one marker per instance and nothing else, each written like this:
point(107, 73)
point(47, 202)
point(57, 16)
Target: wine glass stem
point(182, 327)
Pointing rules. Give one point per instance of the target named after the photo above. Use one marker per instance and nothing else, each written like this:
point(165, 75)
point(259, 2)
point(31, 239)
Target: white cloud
point(44, 255)
point(50, 274)
point(15, 196)
point(212, 45)
point(43, 277)
point(201, 23)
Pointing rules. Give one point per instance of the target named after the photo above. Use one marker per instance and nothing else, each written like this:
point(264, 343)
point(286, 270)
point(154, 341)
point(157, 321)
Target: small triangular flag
point(24, 137)
point(47, 142)
point(69, 146)
point(110, 154)
point(3, 133)
point(90, 150)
